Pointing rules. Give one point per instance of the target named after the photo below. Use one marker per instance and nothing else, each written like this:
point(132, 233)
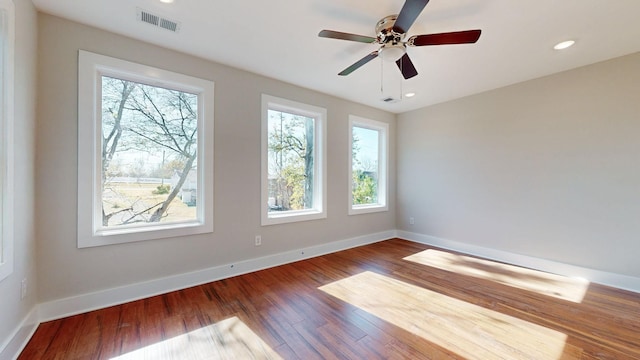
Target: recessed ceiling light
point(565, 44)
point(410, 94)
point(167, 1)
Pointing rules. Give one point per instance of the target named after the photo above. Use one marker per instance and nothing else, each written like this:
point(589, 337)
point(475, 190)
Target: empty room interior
point(320, 179)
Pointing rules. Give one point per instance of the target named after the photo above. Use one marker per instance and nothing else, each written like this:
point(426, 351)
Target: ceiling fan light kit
point(391, 53)
point(390, 36)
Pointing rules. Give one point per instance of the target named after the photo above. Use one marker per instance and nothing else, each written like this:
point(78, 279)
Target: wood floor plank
point(390, 300)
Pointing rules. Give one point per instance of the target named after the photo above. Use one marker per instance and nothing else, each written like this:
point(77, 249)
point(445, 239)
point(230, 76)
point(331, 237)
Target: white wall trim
point(18, 340)
point(7, 150)
point(619, 281)
point(319, 114)
point(90, 230)
point(60, 308)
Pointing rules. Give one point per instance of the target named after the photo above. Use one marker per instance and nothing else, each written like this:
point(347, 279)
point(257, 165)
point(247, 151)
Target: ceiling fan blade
point(409, 13)
point(458, 37)
point(359, 63)
point(346, 36)
point(406, 67)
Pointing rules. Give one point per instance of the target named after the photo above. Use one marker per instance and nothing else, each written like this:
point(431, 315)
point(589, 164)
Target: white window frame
point(319, 115)
point(7, 53)
point(383, 165)
point(91, 69)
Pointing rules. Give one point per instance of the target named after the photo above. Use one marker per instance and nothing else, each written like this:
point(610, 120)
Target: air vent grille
point(149, 18)
point(155, 20)
point(169, 25)
point(390, 100)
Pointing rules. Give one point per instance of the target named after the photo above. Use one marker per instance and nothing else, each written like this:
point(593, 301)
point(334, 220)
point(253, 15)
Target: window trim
point(320, 193)
point(91, 67)
point(7, 53)
point(383, 165)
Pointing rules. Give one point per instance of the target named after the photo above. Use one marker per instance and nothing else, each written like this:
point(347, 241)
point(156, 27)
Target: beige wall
point(64, 270)
point(13, 310)
point(548, 168)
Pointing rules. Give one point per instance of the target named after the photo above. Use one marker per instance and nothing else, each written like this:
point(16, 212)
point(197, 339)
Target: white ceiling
point(278, 39)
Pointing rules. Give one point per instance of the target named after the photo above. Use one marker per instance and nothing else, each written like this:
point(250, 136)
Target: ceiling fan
point(391, 31)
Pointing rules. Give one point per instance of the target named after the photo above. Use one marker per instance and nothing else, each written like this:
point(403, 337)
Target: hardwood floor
point(390, 300)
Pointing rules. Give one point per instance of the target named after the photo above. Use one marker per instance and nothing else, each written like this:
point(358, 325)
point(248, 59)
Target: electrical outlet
point(412, 221)
point(23, 288)
point(258, 240)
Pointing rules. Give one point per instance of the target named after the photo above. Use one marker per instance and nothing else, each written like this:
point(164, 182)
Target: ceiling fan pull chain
point(402, 71)
point(382, 77)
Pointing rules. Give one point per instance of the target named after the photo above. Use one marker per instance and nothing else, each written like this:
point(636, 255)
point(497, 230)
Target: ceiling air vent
point(390, 100)
point(155, 20)
point(169, 25)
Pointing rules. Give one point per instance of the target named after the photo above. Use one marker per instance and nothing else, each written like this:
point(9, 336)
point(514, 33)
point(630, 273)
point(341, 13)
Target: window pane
point(291, 157)
point(364, 171)
point(149, 157)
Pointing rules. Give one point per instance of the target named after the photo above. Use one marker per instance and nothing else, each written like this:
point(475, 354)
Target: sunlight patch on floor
point(227, 339)
point(562, 287)
point(468, 330)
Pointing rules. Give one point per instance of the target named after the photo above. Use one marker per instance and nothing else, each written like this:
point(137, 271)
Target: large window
point(6, 137)
point(367, 165)
point(293, 161)
point(145, 152)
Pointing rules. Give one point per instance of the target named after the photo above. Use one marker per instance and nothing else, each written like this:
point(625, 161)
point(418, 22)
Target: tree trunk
point(157, 215)
point(308, 164)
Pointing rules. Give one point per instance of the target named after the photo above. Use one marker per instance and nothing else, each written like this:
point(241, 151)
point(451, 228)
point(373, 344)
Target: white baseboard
point(20, 337)
point(60, 308)
point(595, 276)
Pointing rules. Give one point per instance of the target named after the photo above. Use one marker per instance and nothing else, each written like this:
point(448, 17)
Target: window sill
point(292, 216)
point(366, 209)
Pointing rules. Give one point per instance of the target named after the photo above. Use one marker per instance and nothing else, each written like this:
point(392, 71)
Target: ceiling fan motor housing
point(386, 34)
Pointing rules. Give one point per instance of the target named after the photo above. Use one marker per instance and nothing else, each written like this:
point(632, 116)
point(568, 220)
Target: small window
point(145, 153)
point(6, 137)
point(293, 161)
point(367, 165)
